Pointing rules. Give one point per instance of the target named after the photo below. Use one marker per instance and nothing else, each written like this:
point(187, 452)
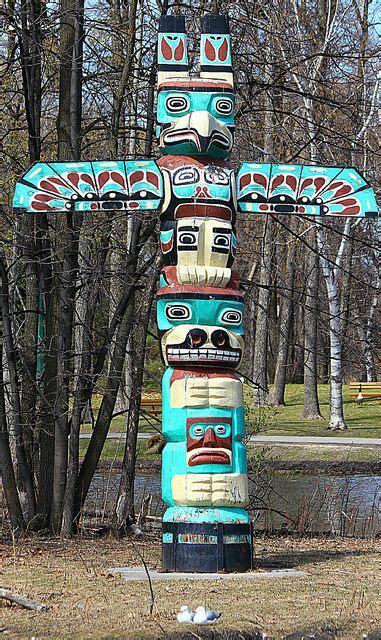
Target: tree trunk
point(264, 297)
point(29, 340)
point(336, 414)
point(262, 329)
point(6, 464)
point(311, 410)
point(366, 334)
point(70, 94)
point(125, 74)
point(67, 240)
point(276, 396)
point(67, 255)
point(25, 475)
point(369, 346)
point(336, 417)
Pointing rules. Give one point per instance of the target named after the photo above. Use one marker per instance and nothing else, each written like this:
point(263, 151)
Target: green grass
point(114, 450)
point(118, 424)
point(322, 453)
point(362, 422)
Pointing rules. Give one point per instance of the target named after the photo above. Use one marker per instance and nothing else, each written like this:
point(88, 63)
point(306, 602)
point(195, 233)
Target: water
point(306, 503)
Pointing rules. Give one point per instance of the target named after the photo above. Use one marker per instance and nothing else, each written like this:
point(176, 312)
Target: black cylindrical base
point(206, 547)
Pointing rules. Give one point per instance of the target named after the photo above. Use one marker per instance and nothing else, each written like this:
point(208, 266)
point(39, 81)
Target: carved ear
point(215, 57)
point(172, 54)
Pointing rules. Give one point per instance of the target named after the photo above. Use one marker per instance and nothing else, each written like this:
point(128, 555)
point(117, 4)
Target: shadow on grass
point(297, 559)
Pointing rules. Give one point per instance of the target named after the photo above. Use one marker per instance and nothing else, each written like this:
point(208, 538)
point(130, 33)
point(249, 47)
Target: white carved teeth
point(203, 354)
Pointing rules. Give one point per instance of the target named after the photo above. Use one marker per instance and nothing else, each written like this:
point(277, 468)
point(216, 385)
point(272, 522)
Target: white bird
point(204, 616)
point(185, 615)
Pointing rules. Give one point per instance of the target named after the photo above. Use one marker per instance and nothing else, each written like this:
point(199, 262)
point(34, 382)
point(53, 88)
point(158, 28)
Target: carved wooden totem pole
point(200, 309)
point(199, 303)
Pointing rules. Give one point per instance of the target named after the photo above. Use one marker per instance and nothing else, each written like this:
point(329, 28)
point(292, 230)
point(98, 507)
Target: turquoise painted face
point(202, 441)
point(195, 117)
point(209, 183)
point(200, 326)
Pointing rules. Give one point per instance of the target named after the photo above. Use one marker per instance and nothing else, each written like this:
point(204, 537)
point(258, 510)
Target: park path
point(287, 440)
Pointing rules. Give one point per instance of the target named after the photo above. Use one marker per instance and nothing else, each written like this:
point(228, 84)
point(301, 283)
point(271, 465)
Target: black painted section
point(215, 24)
point(172, 24)
point(205, 557)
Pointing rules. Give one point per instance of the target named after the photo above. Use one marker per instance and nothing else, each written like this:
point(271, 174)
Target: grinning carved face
point(209, 441)
point(195, 117)
point(200, 325)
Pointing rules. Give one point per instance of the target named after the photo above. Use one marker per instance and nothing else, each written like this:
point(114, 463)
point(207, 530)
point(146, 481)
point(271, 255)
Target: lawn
point(339, 597)
point(113, 450)
point(364, 422)
point(323, 453)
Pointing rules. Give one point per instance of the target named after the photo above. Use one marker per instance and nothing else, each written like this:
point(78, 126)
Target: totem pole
point(199, 302)
point(200, 309)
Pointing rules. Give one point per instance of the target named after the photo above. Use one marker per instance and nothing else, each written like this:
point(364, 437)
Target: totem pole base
point(206, 540)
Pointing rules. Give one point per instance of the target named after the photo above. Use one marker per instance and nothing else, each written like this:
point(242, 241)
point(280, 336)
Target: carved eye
point(186, 175)
point(177, 312)
point(198, 431)
point(216, 177)
point(221, 240)
point(220, 429)
point(177, 104)
point(231, 316)
point(224, 106)
point(187, 238)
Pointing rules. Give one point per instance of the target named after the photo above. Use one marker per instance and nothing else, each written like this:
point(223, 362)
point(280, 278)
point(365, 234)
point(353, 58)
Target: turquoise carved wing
point(123, 185)
point(304, 190)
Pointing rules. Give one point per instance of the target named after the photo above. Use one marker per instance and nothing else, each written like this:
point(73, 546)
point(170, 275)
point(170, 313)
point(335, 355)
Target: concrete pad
point(138, 574)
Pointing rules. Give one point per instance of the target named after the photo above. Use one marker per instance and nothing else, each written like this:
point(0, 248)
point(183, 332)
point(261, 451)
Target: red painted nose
point(202, 192)
point(210, 438)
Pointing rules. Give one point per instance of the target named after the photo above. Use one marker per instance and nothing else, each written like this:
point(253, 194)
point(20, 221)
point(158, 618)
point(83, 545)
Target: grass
point(114, 450)
point(341, 592)
point(323, 453)
point(362, 422)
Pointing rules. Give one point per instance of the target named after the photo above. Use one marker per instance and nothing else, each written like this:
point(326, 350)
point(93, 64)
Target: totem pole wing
point(304, 190)
point(122, 185)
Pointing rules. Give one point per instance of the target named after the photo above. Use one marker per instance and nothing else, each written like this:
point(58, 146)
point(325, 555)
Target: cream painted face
point(178, 350)
point(206, 392)
point(207, 489)
point(204, 241)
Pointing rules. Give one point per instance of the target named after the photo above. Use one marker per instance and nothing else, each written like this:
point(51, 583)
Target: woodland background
point(79, 83)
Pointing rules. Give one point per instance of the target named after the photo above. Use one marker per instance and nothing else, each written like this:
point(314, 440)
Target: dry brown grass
point(340, 593)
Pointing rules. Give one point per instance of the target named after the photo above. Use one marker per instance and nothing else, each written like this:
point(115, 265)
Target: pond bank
point(327, 467)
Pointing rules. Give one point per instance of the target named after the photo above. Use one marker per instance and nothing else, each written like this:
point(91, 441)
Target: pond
point(289, 502)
